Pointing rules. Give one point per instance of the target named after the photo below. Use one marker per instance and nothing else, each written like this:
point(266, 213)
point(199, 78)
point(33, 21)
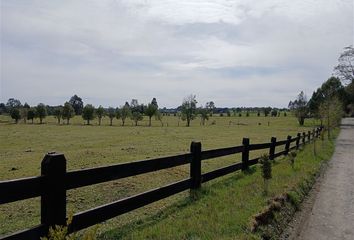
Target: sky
point(235, 53)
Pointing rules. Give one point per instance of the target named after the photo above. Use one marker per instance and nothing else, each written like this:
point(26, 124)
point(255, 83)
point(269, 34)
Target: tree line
point(187, 111)
point(333, 99)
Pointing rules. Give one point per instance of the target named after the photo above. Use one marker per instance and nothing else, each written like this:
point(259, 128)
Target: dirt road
point(329, 212)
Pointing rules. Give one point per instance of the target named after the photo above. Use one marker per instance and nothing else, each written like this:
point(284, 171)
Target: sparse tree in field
point(24, 112)
point(41, 111)
point(210, 106)
point(123, 113)
point(189, 108)
point(88, 113)
point(15, 114)
point(31, 114)
point(151, 110)
point(159, 117)
point(68, 112)
point(77, 103)
point(179, 116)
point(111, 113)
point(58, 113)
point(100, 112)
point(136, 117)
point(299, 107)
point(266, 111)
point(204, 114)
point(136, 111)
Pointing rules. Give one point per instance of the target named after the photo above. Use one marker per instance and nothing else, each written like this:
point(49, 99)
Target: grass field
point(23, 146)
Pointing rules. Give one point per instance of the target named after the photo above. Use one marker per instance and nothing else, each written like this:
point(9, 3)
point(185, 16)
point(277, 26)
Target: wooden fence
point(54, 181)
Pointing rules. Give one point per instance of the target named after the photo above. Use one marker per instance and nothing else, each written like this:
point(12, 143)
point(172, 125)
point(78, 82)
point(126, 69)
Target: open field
point(24, 145)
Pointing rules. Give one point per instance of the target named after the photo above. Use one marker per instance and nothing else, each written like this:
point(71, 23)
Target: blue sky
point(235, 53)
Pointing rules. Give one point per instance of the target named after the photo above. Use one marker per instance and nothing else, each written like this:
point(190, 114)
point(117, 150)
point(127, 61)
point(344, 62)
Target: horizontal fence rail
point(54, 181)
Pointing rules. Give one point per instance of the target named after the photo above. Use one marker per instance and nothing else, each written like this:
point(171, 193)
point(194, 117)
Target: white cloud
point(111, 51)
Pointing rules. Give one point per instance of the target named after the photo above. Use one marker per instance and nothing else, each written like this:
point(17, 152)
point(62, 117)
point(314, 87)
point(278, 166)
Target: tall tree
point(41, 112)
point(68, 112)
point(15, 114)
point(88, 113)
point(13, 103)
point(299, 107)
point(111, 113)
point(211, 107)
point(331, 111)
point(136, 111)
point(31, 114)
point(151, 109)
point(100, 112)
point(77, 103)
point(123, 113)
point(189, 108)
point(204, 114)
point(345, 68)
point(58, 113)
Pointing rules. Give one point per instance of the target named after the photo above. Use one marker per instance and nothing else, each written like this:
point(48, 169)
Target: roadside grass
point(225, 206)
point(22, 148)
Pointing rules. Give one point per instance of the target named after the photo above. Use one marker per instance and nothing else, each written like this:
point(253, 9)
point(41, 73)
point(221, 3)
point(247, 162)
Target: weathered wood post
point(287, 144)
point(245, 153)
point(273, 141)
point(303, 138)
point(298, 141)
point(196, 165)
point(309, 136)
point(53, 202)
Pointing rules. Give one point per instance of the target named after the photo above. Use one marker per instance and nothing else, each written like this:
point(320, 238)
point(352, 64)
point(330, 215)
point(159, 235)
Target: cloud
point(108, 52)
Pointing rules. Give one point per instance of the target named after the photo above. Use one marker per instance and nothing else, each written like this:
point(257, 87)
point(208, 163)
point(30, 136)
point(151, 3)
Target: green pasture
point(22, 147)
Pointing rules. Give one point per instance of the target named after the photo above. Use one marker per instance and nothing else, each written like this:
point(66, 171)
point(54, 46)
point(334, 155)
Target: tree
point(77, 103)
point(13, 103)
point(151, 110)
point(136, 111)
point(58, 113)
point(41, 111)
point(188, 109)
point(136, 117)
point(68, 112)
point(204, 114)
point(123, 113)
point(159, 117)
point(299, 107)
point(31, 114)
point(15, 114)
point(111, 113)
point(100, 112)
point(345, 68)
point(23, 113)
point(210, 106)
point(88, 113)
point(331, 110)
point(2, 108)
point(266, 111)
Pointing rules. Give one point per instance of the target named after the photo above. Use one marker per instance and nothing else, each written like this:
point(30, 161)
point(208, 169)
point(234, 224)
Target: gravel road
point(328, 213)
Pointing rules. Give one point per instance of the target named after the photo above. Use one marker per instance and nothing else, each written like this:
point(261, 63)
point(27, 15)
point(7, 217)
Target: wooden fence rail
point(54, 181)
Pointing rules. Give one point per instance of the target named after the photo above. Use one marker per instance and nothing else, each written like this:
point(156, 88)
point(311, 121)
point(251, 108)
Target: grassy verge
point(225, 208)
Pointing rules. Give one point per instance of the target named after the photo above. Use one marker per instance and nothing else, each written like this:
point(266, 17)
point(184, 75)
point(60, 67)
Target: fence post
point(309, 136)
point(273, 141)
point(298, 141)
point(53, 202)
point(303, 138)
point(196, 165)
point(245, 153)
point(287, 144)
